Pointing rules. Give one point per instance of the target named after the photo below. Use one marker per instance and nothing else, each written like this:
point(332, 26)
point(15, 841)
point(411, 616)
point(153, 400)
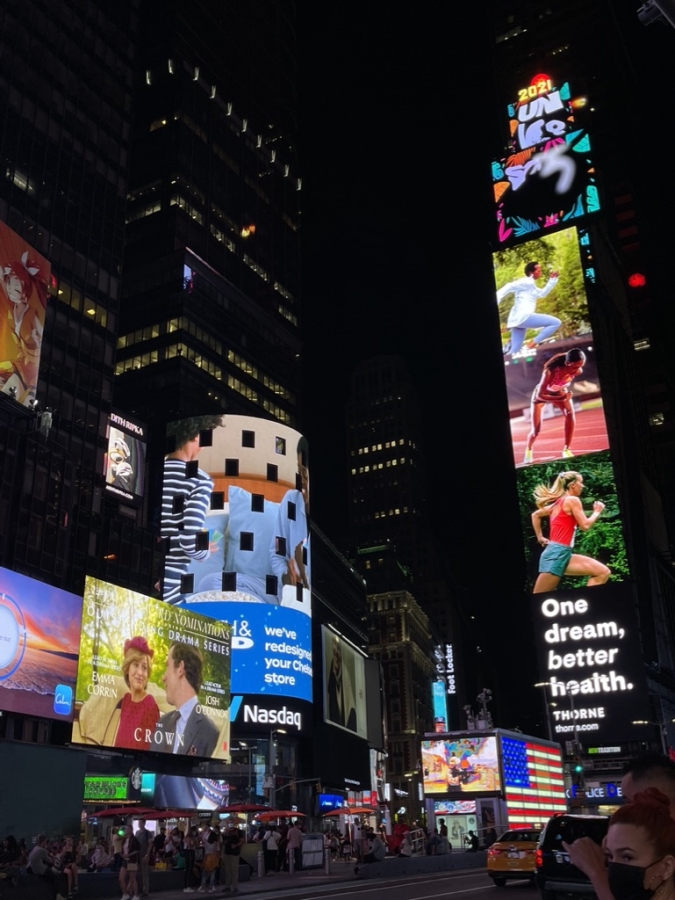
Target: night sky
point(396, 135)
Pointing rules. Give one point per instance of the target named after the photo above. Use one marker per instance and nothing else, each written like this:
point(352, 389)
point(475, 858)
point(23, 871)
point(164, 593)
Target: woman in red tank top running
point(561, 505)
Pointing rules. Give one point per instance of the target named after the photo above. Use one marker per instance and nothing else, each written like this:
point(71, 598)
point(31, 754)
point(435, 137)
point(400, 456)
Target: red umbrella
point(350, 811)
point(278, 814)
point(122, 811)
point(170, 814)
point(243, 808)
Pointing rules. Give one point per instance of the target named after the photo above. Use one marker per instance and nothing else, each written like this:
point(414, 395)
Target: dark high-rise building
point(387, 479)
point(211, 306)
point(593, 57)
point(66, 75)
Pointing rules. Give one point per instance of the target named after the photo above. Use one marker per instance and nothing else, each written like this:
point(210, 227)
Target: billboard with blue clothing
point(235, 518)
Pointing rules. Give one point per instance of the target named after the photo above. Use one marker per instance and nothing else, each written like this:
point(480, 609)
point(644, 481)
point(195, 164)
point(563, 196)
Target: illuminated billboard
point(105, 788)
point(460, 765)
point(571, 523)
point(190, 792)
point(151, 676)
point(344, 702)
point(548, 178)
point(24, 284)
point(39, 643)
point(591, 664)
point(440, 706)
point(534, 787)
point(235, 519)
point(125, 459)
point(553, 388)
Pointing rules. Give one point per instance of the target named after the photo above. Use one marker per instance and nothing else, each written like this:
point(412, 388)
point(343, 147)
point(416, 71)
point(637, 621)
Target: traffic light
point(318, 787)
point(578, 773)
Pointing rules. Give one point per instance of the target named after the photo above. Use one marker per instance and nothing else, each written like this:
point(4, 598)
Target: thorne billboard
point(589, 652)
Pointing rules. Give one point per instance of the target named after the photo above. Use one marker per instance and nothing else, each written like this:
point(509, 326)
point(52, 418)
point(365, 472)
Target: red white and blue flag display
point(534, 787)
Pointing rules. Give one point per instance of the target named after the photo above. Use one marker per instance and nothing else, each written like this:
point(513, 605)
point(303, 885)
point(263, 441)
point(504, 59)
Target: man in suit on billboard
point(340, 690)
point(185, 730)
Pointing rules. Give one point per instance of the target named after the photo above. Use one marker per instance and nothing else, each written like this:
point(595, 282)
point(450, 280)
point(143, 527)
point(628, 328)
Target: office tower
point(400, 638)
point(67, 73)
point(565, 78)
point(387, 480)
point(210, 313)
point(394, 537)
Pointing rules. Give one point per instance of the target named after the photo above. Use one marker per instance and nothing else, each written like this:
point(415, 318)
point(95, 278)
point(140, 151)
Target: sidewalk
point(340, 873)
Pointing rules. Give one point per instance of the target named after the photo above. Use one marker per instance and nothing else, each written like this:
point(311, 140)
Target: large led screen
point(125, 459)
point(534, 787)
point(39, 643)
point(590, 664)
point(344, 694)
point(24, 285)
point(184, 792)
point(151, 676)
point(460, 765)
point(554, 392)
point(235, 519)
point(548, 178)
point(571, 523)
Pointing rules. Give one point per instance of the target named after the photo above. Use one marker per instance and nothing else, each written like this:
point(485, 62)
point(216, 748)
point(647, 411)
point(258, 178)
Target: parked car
point(555, 876)
point(513, 855)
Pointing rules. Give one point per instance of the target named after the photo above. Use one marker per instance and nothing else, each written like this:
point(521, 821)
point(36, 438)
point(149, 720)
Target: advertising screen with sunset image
point(39, 643)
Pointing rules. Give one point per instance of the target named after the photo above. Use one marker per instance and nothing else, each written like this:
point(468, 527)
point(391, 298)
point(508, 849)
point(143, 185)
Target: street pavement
point(314, 880)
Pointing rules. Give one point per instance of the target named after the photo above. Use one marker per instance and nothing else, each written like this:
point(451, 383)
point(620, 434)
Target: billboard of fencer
point(572, 524)
point(151, 676)
point(24, 286)
point(553, 387)
point(235, 520)
point(344, 686)
point(125, 459)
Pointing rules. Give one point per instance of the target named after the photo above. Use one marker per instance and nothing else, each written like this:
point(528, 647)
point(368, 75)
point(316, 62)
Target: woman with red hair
point(140, 712)
point(640, 848)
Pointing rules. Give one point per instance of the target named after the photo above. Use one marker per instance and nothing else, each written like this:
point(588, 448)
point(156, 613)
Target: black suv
point(555, 875)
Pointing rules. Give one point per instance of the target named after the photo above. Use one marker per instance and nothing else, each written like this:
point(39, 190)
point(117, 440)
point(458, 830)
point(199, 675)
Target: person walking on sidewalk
point(232, 844)
point(295, 846)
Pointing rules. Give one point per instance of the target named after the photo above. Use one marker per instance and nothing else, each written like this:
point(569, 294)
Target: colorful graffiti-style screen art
point(548, 178)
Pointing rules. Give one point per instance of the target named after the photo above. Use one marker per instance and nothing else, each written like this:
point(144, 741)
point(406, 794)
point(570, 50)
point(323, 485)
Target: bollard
point(326, 861)
point(261, 864)
point(291, 861)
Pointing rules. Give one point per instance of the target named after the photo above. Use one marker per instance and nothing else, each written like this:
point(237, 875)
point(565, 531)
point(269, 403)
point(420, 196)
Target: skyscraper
point(211, 309)
point(585, 58)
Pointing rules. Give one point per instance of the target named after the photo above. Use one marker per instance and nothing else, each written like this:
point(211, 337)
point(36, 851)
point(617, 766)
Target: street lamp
point(245, 746)
point(544, 685)
point(663, 731)
point(570, 696)
point(272, 755)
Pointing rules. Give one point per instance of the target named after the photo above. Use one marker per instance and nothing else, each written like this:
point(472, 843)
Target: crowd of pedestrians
point(56, 862)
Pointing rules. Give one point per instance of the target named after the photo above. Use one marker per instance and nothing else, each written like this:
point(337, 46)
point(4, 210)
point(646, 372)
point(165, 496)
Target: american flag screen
point(534, 788)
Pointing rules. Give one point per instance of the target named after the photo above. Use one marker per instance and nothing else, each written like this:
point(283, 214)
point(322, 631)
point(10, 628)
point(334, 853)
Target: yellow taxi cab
point(513, 856)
